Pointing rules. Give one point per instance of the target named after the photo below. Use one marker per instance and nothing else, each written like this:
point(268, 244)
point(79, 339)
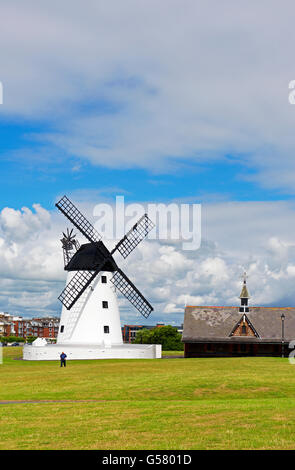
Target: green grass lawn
point(234, 403)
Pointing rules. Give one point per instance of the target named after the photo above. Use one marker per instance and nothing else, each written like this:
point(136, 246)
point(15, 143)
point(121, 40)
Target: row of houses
point(11, 325)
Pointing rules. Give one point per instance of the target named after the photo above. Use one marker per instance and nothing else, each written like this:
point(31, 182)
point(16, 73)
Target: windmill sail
point(78, 219)
point(138, 232)
point(128, 289)
point(76, 287)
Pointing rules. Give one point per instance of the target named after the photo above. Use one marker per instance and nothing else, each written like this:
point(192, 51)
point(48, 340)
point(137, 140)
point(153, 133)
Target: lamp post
point(283, 319)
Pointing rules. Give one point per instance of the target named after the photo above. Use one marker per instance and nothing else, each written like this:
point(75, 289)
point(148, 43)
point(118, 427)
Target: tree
point(11, 339)
point(143, 337)
point(167, 336)
point(30, 339)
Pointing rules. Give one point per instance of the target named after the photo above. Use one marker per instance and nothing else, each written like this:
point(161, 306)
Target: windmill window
point(103, 279)
point(62, 328)
point(244, 331)
point(105, 304)
point(106, 329)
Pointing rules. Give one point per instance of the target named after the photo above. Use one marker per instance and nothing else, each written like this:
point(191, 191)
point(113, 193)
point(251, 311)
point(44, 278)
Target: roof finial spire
point(244, 292)
point(244, 296)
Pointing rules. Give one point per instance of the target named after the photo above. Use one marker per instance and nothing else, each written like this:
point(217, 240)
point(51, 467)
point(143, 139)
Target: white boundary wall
point(51, 352)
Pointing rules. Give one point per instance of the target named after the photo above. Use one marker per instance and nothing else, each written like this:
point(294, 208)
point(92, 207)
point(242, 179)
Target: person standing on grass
point(63, 357)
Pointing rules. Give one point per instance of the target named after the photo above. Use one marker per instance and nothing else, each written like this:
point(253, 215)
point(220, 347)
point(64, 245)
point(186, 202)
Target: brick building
point(18, 326)
point(46, 327)
point(7, 326)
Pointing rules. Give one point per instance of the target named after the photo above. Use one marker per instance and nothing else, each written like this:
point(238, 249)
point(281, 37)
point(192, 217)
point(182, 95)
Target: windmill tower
point(90, 312)
point(94, 317)
point(90, 320)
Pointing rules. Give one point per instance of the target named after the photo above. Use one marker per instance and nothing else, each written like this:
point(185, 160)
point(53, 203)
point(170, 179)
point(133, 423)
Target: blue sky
point(28, 176)
point(159, 103)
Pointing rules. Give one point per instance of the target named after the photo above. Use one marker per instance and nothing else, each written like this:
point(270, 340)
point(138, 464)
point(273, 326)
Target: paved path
point(15, 402)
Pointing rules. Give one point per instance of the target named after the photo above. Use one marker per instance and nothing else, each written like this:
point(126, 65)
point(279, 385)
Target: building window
point(244, 331)
point(103, 279)
point(106, 329)
point(62, 328)
point(105, 304)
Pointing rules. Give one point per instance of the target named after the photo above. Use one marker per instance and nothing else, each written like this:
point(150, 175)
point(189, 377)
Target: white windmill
point(90, 320)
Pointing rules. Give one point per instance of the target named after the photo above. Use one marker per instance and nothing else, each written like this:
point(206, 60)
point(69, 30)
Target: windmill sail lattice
point(128, 289)
point(78, 219)
point(138, 232)
point(76, 287)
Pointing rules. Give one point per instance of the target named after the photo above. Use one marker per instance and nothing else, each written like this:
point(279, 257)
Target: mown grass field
point(234, 403)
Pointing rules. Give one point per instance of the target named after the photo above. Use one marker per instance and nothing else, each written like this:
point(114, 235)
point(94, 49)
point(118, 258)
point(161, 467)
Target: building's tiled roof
point(216, 323)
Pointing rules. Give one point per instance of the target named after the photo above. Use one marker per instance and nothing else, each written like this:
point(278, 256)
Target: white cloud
point(139, 83)
point(18, 225)
point(27, 249)
point(32, 276)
